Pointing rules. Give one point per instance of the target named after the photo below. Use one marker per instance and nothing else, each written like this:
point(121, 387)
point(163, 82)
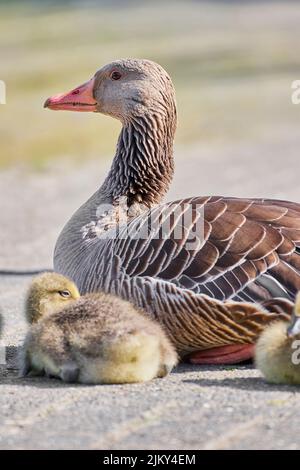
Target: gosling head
point(124, 89)
point(49, 293)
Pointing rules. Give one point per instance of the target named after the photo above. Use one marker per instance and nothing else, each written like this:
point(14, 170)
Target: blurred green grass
point(232, 64)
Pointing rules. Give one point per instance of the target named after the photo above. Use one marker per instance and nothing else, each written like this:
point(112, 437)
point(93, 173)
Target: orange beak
point(79, 99)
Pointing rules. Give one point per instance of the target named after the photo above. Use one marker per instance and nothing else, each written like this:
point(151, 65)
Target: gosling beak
point(79, 99)
point(294, 327)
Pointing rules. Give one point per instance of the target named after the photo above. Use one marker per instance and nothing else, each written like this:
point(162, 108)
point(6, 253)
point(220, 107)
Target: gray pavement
point(193, 408)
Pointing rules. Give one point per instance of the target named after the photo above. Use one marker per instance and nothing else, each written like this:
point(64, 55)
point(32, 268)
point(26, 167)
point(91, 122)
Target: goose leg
point(231, 354)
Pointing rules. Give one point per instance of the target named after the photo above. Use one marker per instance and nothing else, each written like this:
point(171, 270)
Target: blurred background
point(232, 63)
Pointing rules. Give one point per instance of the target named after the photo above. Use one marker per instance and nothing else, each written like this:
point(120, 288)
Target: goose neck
point(143, 167)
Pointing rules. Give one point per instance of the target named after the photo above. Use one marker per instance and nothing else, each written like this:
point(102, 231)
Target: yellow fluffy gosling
point(278, 350)
point(98, 338)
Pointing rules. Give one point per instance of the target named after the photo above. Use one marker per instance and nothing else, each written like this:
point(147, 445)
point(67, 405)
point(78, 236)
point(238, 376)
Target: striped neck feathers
point(143, 166)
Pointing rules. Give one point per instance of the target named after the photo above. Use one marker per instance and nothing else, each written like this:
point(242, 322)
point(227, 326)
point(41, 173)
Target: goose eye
point(115, 75)
point(64, 293)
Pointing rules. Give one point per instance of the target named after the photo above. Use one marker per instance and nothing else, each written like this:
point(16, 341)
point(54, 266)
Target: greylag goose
point(98, 338)
point(213, 270)
point(277, 352)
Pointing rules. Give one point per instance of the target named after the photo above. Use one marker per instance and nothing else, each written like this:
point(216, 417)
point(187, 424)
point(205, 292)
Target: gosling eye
point(115, 75)
point(64, 293)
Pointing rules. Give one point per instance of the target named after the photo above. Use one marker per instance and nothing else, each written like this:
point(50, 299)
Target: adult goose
point(213, 270)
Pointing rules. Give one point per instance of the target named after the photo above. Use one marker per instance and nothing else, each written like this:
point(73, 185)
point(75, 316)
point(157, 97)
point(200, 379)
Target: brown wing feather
point(245, 249)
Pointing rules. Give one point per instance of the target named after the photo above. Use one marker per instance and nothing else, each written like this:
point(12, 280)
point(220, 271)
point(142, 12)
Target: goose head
point(123, 89)
point(49, 293)
point(141, 95)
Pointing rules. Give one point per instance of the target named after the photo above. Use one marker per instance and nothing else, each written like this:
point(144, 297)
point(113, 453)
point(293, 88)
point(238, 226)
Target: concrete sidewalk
point(194, 408)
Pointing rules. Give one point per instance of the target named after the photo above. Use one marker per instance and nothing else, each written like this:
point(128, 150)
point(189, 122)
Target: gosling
point(278, 350)
point(97, 338)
